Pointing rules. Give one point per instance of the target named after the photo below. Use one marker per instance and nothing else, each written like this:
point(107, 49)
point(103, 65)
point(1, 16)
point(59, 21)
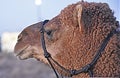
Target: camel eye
point(49, 32)
point(19, 37)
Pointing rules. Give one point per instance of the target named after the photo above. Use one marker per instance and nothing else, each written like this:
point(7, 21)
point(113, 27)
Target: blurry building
point(8, 41)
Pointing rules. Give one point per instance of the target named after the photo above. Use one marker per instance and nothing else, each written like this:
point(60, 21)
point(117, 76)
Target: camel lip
point(19, 53)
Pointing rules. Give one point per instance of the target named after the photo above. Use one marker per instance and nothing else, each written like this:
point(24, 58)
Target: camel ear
point(79, 9)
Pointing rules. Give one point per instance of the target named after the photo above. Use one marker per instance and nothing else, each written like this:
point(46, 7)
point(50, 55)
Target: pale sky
point(15, 15)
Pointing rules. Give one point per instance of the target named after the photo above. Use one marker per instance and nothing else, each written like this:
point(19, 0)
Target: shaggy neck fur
point(79, 48)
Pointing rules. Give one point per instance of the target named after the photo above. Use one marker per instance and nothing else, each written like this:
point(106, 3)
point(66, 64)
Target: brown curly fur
point(97, 22)
point(78, 34)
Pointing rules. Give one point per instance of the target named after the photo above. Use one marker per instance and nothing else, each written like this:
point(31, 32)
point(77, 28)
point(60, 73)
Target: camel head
point(28, 42)
point(71, 37)
point(29, 45)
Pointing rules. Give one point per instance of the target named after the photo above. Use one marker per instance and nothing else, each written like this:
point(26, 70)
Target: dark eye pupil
point(49, 32)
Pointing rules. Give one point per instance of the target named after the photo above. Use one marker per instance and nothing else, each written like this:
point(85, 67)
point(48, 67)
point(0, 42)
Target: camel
point(73, 38)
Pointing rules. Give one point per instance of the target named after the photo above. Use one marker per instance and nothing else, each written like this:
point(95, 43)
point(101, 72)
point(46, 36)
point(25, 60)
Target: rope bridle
point(87, 68)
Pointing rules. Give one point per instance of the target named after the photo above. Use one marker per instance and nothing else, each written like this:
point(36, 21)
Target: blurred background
point(15, 15)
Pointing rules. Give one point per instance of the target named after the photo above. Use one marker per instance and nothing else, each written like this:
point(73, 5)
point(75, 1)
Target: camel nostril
point(19, 37)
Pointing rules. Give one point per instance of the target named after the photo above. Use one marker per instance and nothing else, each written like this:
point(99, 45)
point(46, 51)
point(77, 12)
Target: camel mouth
point(19, 53)
point(22, 55)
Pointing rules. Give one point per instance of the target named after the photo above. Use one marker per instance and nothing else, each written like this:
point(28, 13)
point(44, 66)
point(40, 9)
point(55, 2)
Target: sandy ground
point(12, 67)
